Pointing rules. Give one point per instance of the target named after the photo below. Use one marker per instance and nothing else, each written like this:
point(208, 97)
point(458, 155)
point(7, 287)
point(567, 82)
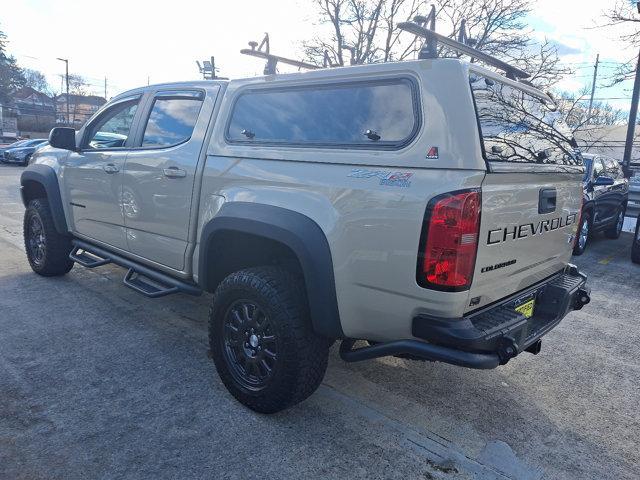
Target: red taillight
point(577, 235)
point(450, 241)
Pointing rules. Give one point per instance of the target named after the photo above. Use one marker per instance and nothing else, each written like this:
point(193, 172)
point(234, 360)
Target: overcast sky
point(132, 41)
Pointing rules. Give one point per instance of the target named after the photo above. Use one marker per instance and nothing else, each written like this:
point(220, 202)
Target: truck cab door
point(92, 175)
point(160, 173)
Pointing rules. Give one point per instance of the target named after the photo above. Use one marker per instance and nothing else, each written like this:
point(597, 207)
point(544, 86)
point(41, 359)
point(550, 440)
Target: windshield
point(518, 127)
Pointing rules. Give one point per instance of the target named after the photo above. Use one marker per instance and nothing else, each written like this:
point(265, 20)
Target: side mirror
point(63, 137)
point(603, 181)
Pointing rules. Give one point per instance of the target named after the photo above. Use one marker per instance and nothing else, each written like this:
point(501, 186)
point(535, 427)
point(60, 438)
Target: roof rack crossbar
point(262, 51)
point(432, 38)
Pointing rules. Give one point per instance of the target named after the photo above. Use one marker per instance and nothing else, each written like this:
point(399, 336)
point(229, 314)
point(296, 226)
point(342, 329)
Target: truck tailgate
point(527, 228)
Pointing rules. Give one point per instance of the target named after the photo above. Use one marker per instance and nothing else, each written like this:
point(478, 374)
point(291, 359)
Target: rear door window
point(376, 114)
point(518, 127)
point(172, 119)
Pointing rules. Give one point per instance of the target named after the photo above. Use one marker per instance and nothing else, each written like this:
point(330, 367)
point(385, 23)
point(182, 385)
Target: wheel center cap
point(253, 341)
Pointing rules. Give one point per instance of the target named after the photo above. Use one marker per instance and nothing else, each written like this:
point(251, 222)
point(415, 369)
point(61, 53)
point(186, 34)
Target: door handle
point(110, 168)
point(174, 172)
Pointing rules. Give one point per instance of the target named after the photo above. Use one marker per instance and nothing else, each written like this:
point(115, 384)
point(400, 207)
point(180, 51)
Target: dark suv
point(605, 196)
point(635, 248)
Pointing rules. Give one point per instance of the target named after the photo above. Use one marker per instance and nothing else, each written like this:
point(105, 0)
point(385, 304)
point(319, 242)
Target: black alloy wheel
point(250, 346)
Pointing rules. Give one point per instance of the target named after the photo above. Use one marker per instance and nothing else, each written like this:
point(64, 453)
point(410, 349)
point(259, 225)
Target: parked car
point(22, 153)
point(11, 145)
point(336, 204)
point(605, 198)
point(635, 247)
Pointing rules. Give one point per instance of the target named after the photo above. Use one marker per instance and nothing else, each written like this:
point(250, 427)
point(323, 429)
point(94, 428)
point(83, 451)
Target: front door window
point(113, 127)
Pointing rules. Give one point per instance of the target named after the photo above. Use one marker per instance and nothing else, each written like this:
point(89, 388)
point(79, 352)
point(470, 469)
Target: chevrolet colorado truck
point(429, 207)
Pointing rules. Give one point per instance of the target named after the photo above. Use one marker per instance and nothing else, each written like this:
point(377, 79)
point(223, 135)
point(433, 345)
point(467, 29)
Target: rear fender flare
point(300, 234)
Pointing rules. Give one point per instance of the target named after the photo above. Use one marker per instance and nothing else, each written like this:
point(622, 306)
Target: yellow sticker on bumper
point(526, 308)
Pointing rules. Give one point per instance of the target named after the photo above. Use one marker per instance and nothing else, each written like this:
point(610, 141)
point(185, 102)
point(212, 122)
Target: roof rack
point(272, 60)
point(462, 45)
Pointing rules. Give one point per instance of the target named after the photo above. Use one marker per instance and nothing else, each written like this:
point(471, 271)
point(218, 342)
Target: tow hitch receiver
point(583, 297)
point(535, 347)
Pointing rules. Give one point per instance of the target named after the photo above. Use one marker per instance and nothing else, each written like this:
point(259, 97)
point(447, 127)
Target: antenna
point(272, 60)
point(417, 28)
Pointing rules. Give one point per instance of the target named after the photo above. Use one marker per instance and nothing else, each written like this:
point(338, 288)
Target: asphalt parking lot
point(99, 382)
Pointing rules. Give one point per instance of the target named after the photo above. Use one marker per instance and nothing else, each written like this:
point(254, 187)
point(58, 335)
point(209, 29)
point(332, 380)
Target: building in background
point(36, 111)
point(8, 123)
point(81, 108)
point(608, 140)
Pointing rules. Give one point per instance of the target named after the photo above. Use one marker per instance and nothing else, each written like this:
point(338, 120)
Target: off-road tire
point(614, 231)
point(635, 246)
point(301, 354)
point(577, 249)
point(54, 260)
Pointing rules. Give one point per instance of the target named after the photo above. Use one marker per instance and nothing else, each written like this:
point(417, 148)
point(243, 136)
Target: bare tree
point(36, 80)
point(78, 85)
point(368, 30)
point(625, 13)
point(623, 17)
point(575, 110)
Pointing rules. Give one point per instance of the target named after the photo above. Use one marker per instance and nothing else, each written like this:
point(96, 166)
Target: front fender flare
point(300, 234)
point(46, 177)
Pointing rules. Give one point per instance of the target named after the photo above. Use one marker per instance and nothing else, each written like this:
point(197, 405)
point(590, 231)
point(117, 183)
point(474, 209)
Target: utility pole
point(631, 128)
point(66, 76)
point(593, 87)
point(105, 88)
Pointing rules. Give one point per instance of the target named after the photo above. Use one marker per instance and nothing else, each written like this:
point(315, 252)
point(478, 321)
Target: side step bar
point(144, 280)
point(86, 259)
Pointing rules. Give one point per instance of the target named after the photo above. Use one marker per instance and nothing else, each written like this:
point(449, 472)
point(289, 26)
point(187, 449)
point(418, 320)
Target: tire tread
point(305, 353)
point(57, 261)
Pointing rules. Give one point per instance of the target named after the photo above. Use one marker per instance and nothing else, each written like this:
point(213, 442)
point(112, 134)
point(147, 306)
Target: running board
point(142, 279)
point(87, 259)
point(147, 286)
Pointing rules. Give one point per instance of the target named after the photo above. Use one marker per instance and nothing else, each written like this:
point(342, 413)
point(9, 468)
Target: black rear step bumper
point(491, 336)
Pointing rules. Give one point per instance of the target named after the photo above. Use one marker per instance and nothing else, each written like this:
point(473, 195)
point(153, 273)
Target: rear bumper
point(493, 335)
